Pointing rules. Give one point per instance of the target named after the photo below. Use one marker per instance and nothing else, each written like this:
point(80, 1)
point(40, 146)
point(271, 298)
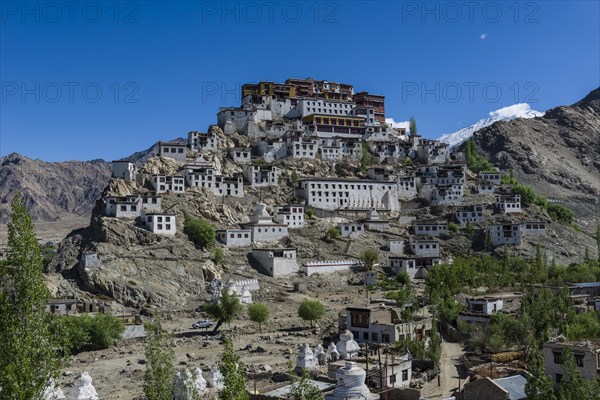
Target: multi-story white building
point(124, 169)
point(480, 309)
point(261, 175)
point(465, 214)
point(202, 141)
point(484, 187)
point(535, 228)
point(311, 106)
point(443, 194)
point(303, 148)
point(174, 150)
point(204, 176)
point(587, 358)
point(424, 247)
point(333, 194)
point(396, 246)
point(435, 229)
point(235, 237)
point(505, 234)
point(163, 184)
point(381, 174)
point(292, 215)
point(508, 203)
point(159, 223)
point(130, 206)
point(276, 262)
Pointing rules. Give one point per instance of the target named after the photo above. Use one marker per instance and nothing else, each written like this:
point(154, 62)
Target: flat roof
point(273, 249)
point(514, 385)
point(284, 391)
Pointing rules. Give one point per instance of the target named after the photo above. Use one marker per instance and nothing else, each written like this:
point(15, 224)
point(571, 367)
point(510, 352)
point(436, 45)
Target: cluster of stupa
point(350, 378)
point(84, 390)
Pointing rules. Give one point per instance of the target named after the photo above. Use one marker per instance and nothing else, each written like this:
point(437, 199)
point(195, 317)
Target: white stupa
point(189, 383)
point(215, 378)
point(85, 389)
point(332, 353)
point(320, 355)
point(305, 358)
point(351, 384)
point(347, 346)
point(53, 392)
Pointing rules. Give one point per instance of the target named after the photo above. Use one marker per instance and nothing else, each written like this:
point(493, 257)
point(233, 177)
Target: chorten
point(347, 346)
point(351, 384)
point(306, 358)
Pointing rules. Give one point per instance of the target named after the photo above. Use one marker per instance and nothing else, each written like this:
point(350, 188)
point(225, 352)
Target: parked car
point(203, 323)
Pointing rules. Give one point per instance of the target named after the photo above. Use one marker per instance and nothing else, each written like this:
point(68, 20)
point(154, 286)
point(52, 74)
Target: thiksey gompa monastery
point(318, 119)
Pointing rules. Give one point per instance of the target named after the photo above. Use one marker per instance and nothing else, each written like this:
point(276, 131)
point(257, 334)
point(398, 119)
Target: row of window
point(172, 149)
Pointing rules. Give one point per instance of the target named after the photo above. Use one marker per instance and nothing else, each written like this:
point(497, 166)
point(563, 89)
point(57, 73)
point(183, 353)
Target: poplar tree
point(30, 356)
point(160, 356)
point(234, 376)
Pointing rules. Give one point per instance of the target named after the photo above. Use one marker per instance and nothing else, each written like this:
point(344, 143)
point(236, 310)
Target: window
point(366, 335)
point(385, 338)
point(579, 360)
point(374, 336)
point(557, 378)
point(404, 375)
point(556, 358)
point(392, 379)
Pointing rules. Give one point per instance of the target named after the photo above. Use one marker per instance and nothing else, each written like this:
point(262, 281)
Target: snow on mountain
point(521, 110)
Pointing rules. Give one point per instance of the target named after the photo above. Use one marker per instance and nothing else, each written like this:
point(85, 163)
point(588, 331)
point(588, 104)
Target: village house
point(484, 187)
point(535, 228)
point(495, 178)
point(437, 195)
point(382, 324)
point(507, 388)
point(200, 141)
point(424, 246)
point(241, 155)
point(174, 150)
point(381, 174)
point(508, 203)
point(292, 215)
point(159, 223)
point(130, 206)
point(61, 306)
point(234, 237)
point(261, 175)
point(505, 234)
point(435, 229)
point(480, 309)
point(203, 175)
point(303, 148)
point(325, 126)
point(395, 246)
point(262, 227)
point(587, 358)
point(334, 193)
point(351, 229)
point(163, 184)
point(415, 266)
point(468, 214)
point(276, 262)
point(124, 169)
point(329, 266)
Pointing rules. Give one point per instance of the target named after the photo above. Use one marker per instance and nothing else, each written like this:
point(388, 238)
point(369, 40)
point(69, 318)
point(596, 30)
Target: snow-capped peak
point(520, 110)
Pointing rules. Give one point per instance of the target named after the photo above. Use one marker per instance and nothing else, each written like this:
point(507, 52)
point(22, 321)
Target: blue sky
point(104, 79)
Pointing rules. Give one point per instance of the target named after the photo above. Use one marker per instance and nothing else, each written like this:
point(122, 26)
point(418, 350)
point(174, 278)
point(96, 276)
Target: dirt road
point(449, 373)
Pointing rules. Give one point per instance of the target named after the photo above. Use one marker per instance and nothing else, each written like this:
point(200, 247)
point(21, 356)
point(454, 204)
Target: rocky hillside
point(52, 190)
point(558, 154)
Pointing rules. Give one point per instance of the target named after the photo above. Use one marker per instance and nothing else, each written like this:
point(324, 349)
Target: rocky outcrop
point(558, 155)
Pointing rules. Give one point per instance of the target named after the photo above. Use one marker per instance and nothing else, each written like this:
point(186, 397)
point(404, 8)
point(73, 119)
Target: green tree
point(218, 256)
point(370, 258)
point(225, 310)
point(539, 385)
point(572, 385)
point(412, 126)
point(200, 231)
point(259, 313)
point(598, 240)
point(301, 388)
point(29, 354)
point(160, 358)
point(309, 213)
point(87, 332)
point(311, 310)
point(334, 232)
point(234, 376)
point(366, 159)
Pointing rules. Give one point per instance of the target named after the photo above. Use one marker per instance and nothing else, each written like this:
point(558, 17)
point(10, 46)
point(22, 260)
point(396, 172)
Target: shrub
point(475, 161)
point(453, 227)
point(86, 332)
point(370, 258)
point(309, 213)
point(218, 256)
point(560, 213)
point(200, 231)
point(334, 232)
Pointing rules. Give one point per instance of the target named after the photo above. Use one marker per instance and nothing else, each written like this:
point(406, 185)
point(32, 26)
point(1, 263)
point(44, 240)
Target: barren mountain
point(52, 190)
point(558, 154)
